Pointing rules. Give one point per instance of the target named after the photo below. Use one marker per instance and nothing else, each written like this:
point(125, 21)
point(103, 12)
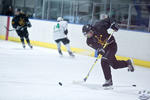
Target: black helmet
point(86, 28)
point(17, 10)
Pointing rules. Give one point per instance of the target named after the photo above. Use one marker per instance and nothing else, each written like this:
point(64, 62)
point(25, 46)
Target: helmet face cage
point(17, 11)
point(103, 16)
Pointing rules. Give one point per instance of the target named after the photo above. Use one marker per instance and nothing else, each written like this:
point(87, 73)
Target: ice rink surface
point(34, 75)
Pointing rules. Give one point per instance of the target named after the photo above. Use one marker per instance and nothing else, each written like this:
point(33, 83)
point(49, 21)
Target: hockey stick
point(84, 80)
point(13, 28)
point(9, 29)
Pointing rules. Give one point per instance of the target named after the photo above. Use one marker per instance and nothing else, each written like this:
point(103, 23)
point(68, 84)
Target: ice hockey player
point(21, 22)
point(60, 32)
point(97, 36)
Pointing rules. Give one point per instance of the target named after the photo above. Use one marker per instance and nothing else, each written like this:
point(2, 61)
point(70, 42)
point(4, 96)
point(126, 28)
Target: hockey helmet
point(60, 19)
point(86, 28)
point(18, 11)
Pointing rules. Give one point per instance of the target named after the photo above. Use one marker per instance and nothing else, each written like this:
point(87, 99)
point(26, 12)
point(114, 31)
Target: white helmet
point(60, 19)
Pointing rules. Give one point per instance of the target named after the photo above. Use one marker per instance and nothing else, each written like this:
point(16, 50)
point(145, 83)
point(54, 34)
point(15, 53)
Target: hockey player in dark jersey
point(21, 22)
point(97, 36)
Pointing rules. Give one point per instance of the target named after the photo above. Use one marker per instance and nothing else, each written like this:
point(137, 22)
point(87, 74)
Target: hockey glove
point(18, 28)
point(22, 28)
point(115, 27)
point(29, 24)
point(101, 51)
point(66, 32)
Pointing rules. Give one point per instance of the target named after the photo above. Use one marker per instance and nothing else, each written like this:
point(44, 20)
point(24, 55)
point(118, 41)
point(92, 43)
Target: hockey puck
point(134, 85)
point(60, 83)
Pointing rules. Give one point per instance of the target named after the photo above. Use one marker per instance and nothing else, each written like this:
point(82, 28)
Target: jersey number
point(57, 28)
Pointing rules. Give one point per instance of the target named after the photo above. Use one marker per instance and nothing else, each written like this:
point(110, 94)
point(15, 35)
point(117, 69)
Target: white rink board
point(130, 43)
point(3, 22)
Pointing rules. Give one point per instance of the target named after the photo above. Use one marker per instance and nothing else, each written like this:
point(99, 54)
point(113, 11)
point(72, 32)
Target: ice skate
point(24, 46)
point(71, 54)
point(108, 84)
point(30, 46)
point(130, 65)
point(60, 52)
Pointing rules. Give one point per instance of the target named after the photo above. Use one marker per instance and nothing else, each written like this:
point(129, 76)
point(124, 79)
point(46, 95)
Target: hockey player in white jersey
point(60, 32)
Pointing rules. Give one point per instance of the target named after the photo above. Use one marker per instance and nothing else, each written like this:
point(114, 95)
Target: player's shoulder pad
point(64, 22)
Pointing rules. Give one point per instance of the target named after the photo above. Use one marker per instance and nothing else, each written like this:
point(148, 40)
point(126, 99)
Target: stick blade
point(85, 79)
point(78, 82)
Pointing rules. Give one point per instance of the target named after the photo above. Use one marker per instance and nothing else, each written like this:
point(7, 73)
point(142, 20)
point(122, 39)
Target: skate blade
point(60, 55)
point(108, 88)
point(31, 48)
point(72, 56)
